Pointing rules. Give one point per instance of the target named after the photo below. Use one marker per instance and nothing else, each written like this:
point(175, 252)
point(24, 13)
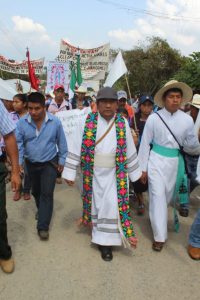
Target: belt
point(53, 161)
point(105, 160)
point(164, 151)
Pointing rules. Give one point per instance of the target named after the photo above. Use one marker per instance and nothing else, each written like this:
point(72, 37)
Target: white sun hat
point(195, 101)
point(186, 90)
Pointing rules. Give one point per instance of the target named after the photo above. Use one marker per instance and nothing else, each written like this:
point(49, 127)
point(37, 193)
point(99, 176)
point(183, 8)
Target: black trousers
point(27, 181)
point(43, 179)
point(5, 250)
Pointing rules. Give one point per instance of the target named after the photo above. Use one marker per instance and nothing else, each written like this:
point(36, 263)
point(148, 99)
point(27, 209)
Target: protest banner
point(57, 73)
point(73, 121)
point(94, 62)
point(12, 66)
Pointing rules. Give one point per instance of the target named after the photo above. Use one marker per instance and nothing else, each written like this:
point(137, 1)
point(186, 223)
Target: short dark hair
point(36, 97)
point(21, 97)
point(172, 90)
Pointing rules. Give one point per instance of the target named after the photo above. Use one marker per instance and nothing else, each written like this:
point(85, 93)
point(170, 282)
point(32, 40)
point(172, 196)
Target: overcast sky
point(41, 24)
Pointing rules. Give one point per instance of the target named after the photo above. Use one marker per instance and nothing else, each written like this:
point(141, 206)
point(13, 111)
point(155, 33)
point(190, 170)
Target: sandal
point(17, 196)
point(27, 196)
point(157, 246)
point(184, 212)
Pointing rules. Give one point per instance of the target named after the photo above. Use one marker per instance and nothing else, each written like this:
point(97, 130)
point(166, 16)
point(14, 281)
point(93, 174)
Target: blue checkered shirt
point(6, 124)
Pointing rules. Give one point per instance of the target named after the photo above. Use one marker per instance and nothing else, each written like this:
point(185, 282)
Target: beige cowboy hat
point(195, 101)
point(81, 90)
point(187, 92)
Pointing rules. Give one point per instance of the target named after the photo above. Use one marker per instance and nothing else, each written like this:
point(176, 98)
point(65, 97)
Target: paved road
point(69, 267)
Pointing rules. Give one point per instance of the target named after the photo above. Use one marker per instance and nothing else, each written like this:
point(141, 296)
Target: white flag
point(117, 69)
point(6, 91)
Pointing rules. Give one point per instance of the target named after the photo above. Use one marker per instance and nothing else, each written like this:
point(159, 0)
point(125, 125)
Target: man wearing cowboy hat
point(167, 130)
point(80, 101)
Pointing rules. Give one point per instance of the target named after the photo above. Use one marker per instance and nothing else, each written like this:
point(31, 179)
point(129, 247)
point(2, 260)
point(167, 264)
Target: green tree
point(150, 65)
point(190, 71)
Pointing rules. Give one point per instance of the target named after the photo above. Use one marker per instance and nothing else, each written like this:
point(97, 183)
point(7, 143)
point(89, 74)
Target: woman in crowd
point(20, 109)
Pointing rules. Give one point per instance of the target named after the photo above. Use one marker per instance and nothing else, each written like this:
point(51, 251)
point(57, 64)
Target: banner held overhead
point(94, 62)
point(57, 73)
point(12, 66)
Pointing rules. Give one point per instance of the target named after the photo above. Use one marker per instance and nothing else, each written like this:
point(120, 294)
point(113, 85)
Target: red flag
point(34, 81)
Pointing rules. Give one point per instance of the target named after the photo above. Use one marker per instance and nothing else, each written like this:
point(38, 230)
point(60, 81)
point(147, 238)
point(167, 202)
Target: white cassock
point(105, 214)
point(197, 128)
point(162, 171)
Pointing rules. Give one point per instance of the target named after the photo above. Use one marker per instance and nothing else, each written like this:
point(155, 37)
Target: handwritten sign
point(73, 122)
point(94, 62)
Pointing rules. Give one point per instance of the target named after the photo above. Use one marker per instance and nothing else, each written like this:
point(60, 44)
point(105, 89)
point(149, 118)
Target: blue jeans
point(192, 161)
point(43, 179)
point(194, 237)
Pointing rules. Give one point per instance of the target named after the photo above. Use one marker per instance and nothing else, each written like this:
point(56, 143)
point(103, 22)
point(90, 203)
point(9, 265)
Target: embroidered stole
point(87, 164)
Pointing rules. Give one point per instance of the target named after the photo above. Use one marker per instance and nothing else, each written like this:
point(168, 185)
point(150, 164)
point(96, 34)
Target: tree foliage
point(150, 66)
point(190, 71)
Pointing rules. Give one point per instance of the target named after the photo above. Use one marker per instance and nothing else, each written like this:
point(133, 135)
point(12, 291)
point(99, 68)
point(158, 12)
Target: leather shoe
point(43, 234)
point(193, 252)
point(157, 246)
point(106, 252)
point(7, 266)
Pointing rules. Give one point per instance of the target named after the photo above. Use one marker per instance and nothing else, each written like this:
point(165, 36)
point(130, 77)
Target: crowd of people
point(123, 148)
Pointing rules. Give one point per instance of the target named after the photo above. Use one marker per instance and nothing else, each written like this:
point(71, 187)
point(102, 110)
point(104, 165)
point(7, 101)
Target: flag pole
point(129, 92)
point(27, 54)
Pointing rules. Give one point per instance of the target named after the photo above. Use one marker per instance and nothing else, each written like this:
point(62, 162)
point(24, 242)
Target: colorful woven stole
point(87, 164)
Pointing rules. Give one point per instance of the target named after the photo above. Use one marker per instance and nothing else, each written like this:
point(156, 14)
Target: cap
point(121, 94)
point(58, 86)
point(107, 93)
point(145, 98)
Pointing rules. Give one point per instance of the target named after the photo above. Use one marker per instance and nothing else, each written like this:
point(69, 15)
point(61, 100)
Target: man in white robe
point(106, 227)
point(161, 169)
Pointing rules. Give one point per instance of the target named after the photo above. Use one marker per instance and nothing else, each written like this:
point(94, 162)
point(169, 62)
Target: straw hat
point(187, 92)
point(195, 101)
point(81, 90)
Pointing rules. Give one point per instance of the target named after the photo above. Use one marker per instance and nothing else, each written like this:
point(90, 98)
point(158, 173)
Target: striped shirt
point(6, 124)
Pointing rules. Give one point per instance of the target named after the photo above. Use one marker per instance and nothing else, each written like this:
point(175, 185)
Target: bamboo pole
point(129, 92)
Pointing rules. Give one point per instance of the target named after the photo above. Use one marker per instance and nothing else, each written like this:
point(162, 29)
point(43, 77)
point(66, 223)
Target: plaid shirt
point(6, 124)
